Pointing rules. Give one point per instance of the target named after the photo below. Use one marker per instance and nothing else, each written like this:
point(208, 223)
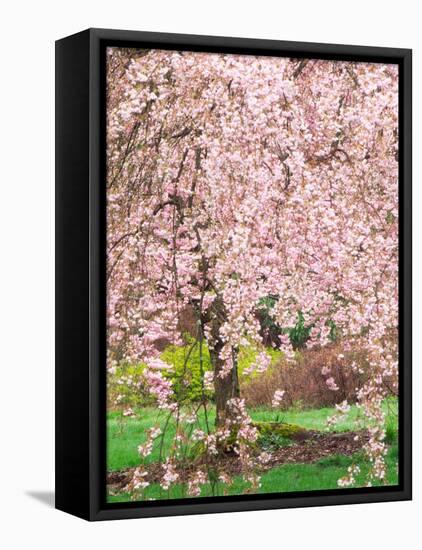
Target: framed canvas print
point(233, 274)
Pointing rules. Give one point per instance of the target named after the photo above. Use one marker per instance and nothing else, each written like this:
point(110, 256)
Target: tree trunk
point(227, 387)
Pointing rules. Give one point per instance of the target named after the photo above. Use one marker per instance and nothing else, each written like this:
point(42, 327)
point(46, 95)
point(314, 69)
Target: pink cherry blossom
point(232, 178)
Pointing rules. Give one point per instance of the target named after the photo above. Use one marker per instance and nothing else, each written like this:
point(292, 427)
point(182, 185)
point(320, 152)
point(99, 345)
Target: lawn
point(289, 477)
point(124, 436)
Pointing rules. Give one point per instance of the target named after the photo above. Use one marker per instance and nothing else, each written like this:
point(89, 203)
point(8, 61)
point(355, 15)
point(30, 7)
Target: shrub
point(247, 356)
point(126, 387)
point(303, 381)
point(186, 374)
point(299, 334)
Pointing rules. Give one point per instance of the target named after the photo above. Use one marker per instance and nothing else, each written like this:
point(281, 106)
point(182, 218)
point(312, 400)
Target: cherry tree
point(233, 178)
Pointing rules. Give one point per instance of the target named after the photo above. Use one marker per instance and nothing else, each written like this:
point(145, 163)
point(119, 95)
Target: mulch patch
point(316, 446)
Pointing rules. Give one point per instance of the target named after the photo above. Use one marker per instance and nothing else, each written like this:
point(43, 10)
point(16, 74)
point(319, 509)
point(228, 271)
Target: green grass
point(316, 419)
point(287, 478)
point(125, 435)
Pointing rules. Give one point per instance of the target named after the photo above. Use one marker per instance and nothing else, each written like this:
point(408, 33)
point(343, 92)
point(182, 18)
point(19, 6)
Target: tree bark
point(226, 387)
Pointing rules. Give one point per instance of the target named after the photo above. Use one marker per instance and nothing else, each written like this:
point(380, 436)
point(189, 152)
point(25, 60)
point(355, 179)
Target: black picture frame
point(80, 269)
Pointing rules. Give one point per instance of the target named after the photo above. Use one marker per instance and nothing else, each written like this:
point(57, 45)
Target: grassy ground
point(289, 477)
point(125, 436)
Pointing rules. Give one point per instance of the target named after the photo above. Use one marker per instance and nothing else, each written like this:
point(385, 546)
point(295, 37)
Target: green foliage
point(299, 334)
point(188, 371)
point(186, 375)
point(391, 431)
point(126, 387)
point(247, 357)
point(265, 307)
point(272, 441)
point(389, 218)
point(127, 383)
point(333, 331)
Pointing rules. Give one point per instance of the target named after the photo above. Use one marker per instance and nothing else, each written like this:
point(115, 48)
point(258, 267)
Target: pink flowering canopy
point(231, 178)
